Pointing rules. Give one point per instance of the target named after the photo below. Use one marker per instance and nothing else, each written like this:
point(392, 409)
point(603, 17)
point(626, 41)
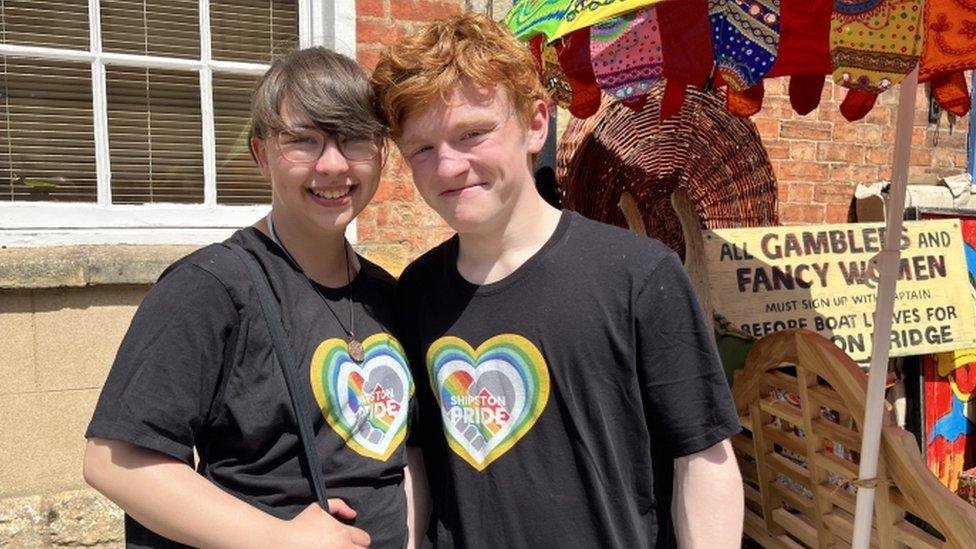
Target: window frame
point(39, 223)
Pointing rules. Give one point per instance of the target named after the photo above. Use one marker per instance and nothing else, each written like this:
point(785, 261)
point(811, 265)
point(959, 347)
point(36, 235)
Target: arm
point(418, 496)
point(170, 498)
point(708, 500)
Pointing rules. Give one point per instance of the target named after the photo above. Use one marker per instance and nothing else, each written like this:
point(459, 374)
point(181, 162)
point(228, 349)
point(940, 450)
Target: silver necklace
point(353, 346)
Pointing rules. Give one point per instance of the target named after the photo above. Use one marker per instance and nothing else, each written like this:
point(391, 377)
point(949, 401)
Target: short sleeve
point(686, 397)
point(162, 384)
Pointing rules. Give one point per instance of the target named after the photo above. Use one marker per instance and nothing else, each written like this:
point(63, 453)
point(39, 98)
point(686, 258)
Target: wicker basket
point(716, 157)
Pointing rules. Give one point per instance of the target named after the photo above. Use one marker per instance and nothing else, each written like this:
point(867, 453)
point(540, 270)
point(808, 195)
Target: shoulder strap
point(283, 351)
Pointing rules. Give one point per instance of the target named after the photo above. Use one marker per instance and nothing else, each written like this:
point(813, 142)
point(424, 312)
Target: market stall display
point(801, 400)
point(874, 45)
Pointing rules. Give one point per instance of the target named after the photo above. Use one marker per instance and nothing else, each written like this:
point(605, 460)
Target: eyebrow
point(466, 123)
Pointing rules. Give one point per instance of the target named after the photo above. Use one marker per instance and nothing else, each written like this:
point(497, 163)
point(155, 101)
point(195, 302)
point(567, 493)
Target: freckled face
point(471, 156)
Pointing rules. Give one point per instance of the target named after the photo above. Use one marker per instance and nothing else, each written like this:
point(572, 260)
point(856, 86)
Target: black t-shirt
point(553, 402)
point(197, 370)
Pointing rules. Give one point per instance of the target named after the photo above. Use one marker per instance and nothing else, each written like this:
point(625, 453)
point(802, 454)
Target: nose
point(331, 161)
point(451, 164)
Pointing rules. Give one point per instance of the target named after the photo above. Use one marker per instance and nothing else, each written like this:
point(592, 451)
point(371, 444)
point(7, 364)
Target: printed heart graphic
point(489, 397)
point(366, 404)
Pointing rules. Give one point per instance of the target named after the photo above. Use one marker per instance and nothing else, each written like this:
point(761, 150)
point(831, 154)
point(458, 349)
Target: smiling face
point(318, 194)
point(471, 157)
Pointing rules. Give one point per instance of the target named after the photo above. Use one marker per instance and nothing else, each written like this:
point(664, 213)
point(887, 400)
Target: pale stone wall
point(63, 312)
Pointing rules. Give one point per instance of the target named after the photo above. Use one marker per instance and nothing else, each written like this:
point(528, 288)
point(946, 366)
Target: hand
point(313, 527)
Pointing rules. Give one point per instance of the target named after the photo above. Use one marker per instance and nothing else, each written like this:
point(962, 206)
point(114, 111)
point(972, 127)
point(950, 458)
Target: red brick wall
point(819, 158)
point(397, 226)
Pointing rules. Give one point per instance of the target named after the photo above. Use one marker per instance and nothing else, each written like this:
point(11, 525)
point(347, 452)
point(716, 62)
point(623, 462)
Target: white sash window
point(125, 121)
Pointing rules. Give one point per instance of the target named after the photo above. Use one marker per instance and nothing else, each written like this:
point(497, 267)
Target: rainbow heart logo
point(366, 404)
point(489, 397)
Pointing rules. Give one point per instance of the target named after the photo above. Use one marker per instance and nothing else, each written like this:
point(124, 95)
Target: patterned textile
point(745, 39)
point(574, 57)
point(626, 54)
point(873, 45)
point(687, 48)
point(803, 54)
point(529, 18)
point(950, 49)
point(552, 75)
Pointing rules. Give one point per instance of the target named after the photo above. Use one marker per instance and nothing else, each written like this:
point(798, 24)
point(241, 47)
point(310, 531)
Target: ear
point(538, 129)
point(259, 154)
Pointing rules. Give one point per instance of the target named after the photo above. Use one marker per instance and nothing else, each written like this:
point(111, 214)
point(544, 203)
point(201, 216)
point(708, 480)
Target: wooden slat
point(826, 396)
point(751, 494)
point(743, 444)
point(835, 464)
point(841, 523)
point(781, 409)
point(785, 439)
point(837, 433)
point(913, 536)
point(784, 465)
point(780, 380)
point(766, 476)
point(794, 499)
point(797, 526)
point(838, 496)
point(748, 470)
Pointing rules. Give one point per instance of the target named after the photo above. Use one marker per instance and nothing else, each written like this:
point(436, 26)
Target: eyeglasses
point(303, 146)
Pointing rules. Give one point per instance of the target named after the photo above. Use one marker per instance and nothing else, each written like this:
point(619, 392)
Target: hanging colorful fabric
point(949, 49)
point(553, 78)
point(745, 39)
point(574, 59)
point(803, 55)
point(626, 54)
point(529, 18)
point(687, 48)
point(873, 45)
point(804, 51)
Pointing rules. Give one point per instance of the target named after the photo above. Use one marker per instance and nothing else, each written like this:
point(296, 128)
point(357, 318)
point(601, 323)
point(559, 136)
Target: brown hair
point(439, 55)
point(331, 88)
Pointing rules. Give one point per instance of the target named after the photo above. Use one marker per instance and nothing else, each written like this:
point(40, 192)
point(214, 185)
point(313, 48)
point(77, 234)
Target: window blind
point(47, 149)
point(168, 28)
point(154, 130)
point(155, 123)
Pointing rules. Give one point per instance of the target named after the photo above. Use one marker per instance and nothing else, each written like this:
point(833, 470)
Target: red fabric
point(805, 90)
point(746, 102)
point(857, 104)
point(686, 42)
point(804, 38)
point(951, 92)
point(949, 50)
point(574, 58)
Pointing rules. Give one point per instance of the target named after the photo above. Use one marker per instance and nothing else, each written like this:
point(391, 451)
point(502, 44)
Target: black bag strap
point(282, 349)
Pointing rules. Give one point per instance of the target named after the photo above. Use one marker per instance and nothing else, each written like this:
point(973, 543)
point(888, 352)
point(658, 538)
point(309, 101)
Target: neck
point(322, 256)
point(488, 257)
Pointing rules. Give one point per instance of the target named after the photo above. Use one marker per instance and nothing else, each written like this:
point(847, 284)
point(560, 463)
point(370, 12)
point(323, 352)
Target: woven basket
point(716, 157)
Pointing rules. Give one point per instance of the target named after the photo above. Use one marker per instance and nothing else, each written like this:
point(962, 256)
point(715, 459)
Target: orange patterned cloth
point(950, 49)
point(874, 44)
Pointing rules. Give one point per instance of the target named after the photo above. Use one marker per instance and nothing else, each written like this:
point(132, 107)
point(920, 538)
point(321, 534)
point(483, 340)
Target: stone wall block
point(83, 518)
point(22, 522)
point(17, 357)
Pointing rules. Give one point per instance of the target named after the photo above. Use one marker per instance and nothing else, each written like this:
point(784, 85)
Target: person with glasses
point(196, 373)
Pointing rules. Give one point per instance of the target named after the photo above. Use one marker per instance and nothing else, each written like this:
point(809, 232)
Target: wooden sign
point(821, 278)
